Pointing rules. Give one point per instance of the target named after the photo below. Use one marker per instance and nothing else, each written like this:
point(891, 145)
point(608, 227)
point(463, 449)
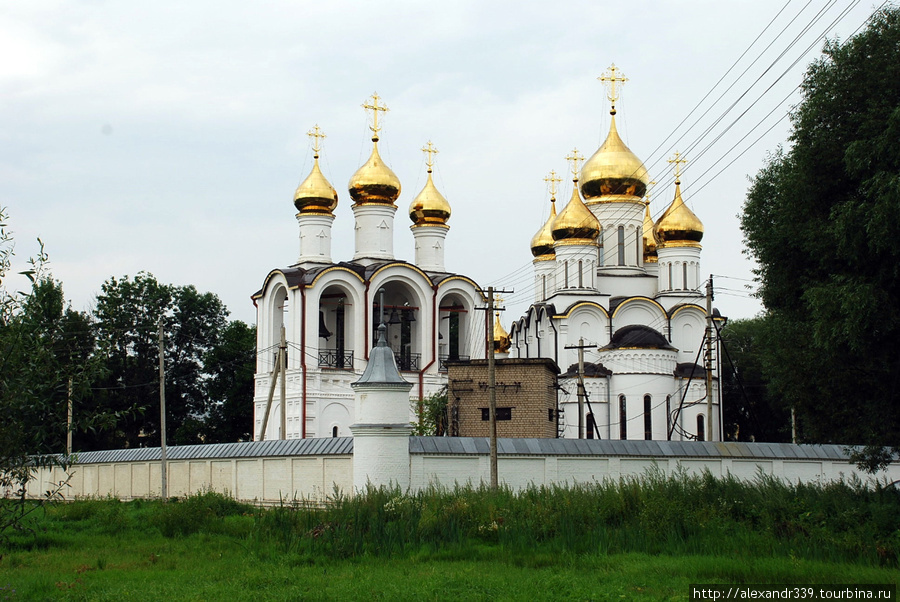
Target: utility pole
point(709, 356)
point(273, 380)
point(164, 491)
point(69, 419)
point(582, 394)
point(282, 349)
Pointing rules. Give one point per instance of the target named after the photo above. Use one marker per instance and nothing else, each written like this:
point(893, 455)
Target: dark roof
point(639, 336)
point(248, 449)
point(593, 369)
point(689, 370)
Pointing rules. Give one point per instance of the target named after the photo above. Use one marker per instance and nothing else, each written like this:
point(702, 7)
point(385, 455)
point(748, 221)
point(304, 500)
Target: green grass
point(635, 539)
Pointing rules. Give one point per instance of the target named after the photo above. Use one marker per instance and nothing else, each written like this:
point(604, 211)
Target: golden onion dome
point(678, 226)
point(315, 194)
point(502, 342)
point(542, 243)
point(374, 182)
point(429, 208)
point(613, 173)
point(575, 224)
point(650, 255)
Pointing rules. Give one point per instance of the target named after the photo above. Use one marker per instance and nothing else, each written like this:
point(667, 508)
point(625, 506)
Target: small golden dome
point(613, 173)
point(429, 208)
point(575, 224)
point(649, 237)
point(502, 342)
point(315, 194)
point(678, 226)
point(542, 243)
point(374, 182)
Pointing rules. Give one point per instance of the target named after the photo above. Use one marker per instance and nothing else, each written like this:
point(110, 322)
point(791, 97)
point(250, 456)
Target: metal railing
point(408, 362)
point(443, 359)
point(331, 358)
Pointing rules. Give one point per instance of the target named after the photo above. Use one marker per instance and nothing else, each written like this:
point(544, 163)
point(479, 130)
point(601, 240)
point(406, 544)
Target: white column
point(374, 231)
point(430, 247)
point(315, 237)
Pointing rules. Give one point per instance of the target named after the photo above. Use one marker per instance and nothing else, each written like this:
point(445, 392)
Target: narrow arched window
point(684, 268)
point(638, 244)
point(648, 421)
point(600, 249)
point(580, 275)
point(591, 427)
point(334, 431)
point(701, 428)
point(544, 286)
point(566, 274)
point(621, 245)
point(623, 431)
point(669, 285)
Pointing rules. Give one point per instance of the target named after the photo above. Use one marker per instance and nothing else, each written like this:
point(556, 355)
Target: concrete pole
point(581, 388)
point(492, 387)
point(283, 369)
point(164, 491)
point(709, 354)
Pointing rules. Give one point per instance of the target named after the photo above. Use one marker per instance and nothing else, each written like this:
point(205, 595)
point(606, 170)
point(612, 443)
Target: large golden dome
point(678, 226)
point(613, 173)
point(315, 194)
point(429, 208)
point(502, 342)
point(542, 243)
point(650, 255)
point(575, 224)
point(374, 182)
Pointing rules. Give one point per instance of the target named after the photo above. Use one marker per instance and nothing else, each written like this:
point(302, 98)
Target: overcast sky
point(169, 137)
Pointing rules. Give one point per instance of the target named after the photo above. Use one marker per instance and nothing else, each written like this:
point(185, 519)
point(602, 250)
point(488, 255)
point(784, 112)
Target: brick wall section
point(526, 386)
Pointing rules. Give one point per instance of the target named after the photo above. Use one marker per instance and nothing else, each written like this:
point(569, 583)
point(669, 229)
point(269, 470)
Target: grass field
point(635, 539)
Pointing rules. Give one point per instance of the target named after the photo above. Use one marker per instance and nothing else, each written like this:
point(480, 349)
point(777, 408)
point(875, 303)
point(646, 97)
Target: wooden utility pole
point(581, 388)
point(273, 380)
point(164, 491)
point(709, 357)
point(492, 387)
point(69, 419)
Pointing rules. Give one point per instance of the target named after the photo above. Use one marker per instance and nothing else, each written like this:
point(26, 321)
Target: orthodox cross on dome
point(429, 150)
point(610, 79)
point(650, 186)
point(372, 105)
point(498, 300)
point(575, 159)
point(678, 161)
point(553, 180)
point(317, 135)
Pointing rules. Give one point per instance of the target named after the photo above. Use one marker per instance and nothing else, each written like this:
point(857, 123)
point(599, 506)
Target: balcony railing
point(331, 358)
point(442, 361)
point(408, 362)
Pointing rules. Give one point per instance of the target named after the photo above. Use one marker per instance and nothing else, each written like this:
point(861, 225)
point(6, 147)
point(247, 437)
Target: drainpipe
point(434, 322)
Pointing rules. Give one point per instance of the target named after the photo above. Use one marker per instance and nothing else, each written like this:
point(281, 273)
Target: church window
point(580, 275)
point(543, 287)
point(623, 431)
point(684, 268)
point(669, 284)
point(638, 243)
point(701, 428)
point(621, 245)
point(591, 427)
point(566, 274)
point(648, 421)
point(334, 431)
point(600, 249)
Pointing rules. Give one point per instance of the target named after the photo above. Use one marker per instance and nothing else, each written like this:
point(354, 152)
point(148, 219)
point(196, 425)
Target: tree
point(230, 366)
point(751, 412)
point(203, 355)
point(821, 220)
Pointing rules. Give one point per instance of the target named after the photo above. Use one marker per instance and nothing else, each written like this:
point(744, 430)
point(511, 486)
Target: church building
point(317, 320)
point(628, 291)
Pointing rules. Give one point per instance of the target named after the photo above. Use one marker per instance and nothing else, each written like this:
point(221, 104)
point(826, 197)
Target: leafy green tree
point(432, 414)
point(751, 412)
point(128, 314)
point(821, 220)
point(230, 366)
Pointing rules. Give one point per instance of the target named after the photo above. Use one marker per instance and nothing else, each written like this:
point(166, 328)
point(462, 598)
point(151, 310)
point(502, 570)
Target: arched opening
point(623, 430)
point(335, 329)
point(566, 274)
point(669, 285)
point(280, 311)
point(648, 420)
point(591, 426)
point(684, 268)
point(580, 274)
point(401, 316)
point(701, 428)
point(451, 332)
point(334, 431)
point(638, 244)
point(600, 249)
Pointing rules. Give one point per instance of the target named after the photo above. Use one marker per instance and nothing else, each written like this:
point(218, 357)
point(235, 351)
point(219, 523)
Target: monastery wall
point(446, 461)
